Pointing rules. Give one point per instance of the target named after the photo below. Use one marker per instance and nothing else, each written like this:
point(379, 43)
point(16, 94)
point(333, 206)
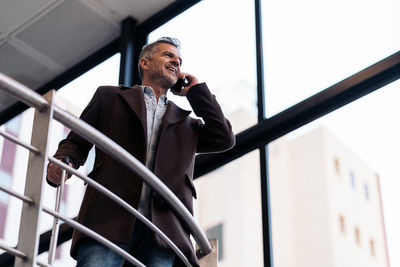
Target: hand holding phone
point(178, 86)
point(183, 84)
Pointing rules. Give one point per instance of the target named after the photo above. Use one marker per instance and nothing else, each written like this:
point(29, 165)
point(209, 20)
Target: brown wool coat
point(121, 115)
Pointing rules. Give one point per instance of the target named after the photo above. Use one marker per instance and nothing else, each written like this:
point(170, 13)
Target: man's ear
point(144, 63)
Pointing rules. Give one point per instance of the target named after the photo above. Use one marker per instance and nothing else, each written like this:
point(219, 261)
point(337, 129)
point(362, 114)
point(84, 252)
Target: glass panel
point(311, 45)
point(77, 94)
point(219, 49)
point(334, 187)
point(12, 125)
point(230, 198)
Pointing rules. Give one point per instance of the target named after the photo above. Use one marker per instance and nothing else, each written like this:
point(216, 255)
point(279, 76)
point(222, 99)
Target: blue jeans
point(93, 254)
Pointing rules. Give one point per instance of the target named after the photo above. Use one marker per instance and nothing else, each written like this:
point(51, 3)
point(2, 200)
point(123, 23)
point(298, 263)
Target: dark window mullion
point(265, 203)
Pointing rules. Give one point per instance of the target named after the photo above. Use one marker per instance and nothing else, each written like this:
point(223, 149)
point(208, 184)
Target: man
point(164, 138)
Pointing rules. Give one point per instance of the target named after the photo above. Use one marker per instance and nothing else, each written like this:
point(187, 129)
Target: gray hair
point(149, 49)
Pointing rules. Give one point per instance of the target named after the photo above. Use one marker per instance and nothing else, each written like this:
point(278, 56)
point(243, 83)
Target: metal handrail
point(123, 204)
point(32, 98)
point(21, 254)
point(14, 139)
point(95, 236)
point(16, 194)
point(13, 251)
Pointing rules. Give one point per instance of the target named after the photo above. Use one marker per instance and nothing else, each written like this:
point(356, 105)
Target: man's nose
point(175, 62)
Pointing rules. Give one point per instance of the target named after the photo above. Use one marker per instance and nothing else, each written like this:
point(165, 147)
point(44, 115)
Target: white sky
point(308, 46)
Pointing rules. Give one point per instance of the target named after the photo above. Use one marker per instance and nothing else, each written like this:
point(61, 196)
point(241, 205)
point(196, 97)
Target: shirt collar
point(149, 91)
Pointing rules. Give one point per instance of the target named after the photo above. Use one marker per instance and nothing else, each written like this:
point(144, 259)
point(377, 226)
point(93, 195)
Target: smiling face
point(164, 66)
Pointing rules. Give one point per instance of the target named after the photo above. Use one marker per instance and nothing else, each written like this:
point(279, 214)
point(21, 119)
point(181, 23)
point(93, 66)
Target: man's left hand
point(190, 80)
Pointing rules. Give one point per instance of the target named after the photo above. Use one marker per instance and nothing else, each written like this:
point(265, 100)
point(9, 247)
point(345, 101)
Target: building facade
point(326, 206)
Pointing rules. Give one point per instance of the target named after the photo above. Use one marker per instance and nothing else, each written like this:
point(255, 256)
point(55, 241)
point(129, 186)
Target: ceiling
point(41, 39)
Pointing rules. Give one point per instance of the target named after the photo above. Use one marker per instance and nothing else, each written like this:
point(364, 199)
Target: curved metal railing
point(101, 141)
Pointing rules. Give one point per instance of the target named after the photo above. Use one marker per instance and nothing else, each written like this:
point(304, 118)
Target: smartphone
point(178, 86)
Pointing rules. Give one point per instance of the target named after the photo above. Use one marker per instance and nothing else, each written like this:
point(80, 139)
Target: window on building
point(58, 253)
point(8, 155)
point(342, 224)
point(352, 180)
point(217, 232)
point(372, 246)
point(357, 235)
point(5, 181)
point(366, 192)
point(337, 166)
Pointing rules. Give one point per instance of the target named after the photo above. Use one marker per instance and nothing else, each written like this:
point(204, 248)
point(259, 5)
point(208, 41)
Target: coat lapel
point(133, 96)
point(173, 114)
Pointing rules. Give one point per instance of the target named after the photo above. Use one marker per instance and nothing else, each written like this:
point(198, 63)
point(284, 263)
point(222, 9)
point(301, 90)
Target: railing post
point(28, 238)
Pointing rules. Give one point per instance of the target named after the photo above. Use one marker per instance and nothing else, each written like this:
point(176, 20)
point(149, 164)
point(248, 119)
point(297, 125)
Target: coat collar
point(133, 96)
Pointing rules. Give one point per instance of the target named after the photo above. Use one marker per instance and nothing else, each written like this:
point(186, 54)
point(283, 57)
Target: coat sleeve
point(215, 134)
point(74, 146)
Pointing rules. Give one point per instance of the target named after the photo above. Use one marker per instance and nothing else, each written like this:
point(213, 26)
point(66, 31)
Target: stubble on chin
point(165, 78)
point(170, 80)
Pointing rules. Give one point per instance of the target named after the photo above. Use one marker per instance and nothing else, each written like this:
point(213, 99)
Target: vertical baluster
point(56, 222)
point(28, 238)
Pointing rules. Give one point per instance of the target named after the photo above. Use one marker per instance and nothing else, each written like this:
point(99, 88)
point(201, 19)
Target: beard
point(161, 75)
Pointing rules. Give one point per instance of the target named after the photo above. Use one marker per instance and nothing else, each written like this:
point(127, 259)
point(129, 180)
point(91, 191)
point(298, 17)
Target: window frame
point(134, 36)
